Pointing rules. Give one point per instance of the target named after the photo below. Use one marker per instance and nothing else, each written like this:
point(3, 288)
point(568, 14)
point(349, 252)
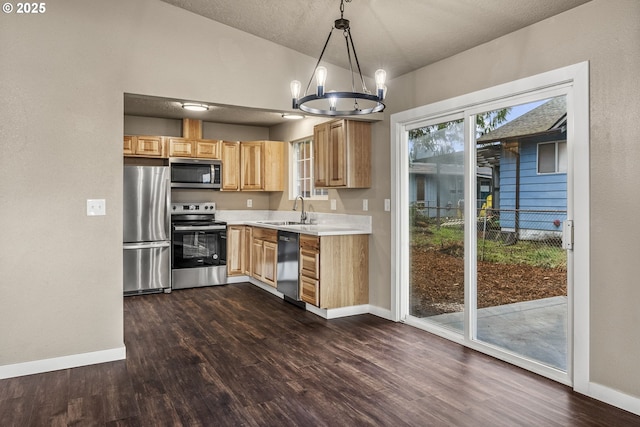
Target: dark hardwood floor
point(237, 356)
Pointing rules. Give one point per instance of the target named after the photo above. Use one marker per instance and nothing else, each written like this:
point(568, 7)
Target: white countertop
point(319, 224)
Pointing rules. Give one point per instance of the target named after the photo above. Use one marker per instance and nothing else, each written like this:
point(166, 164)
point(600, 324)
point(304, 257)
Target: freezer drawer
point(147, 267)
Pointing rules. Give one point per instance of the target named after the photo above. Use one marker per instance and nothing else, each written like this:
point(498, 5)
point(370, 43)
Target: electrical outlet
point(249, 203)
point(387, 205)
point(96, 207)
point(365, 205)
point(333, 205)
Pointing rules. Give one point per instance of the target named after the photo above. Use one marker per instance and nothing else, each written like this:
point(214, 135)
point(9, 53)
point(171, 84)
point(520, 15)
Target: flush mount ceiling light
point(292, 116)
point(191, 106)
point(334, 103)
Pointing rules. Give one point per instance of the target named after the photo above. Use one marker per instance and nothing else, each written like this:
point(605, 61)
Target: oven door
point(198, 246)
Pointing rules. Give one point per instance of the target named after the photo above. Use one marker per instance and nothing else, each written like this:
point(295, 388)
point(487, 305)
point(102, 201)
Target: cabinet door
point(248, 249)
point(256, 258)
point(230, 153)
point(270, 264)
point(235, 250)
point(207, 149)
point(252, 166)
point(128, 147)
point(337, 155)
point(180, 147)
point(149, 146)
point(321, 155)
point(310, 290)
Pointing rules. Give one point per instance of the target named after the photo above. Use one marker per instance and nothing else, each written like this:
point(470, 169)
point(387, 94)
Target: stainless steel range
point(199, 246)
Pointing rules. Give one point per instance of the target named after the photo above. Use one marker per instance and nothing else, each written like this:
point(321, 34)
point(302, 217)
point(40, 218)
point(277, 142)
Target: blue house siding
point(538, 192)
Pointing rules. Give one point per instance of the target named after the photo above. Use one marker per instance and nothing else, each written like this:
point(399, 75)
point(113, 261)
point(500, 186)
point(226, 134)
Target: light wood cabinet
point(199, 148)
point(180, 147)
point(236, 259)
point(334, 270)
point(230, 154)
point(264, 255)
point(144, 146)
point(342, 154)
point(262, 166)
point(247, 249)
point(207, 149)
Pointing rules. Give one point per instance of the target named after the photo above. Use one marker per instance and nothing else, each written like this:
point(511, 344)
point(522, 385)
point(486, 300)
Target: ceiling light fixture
point(337, 103)
point(292, 116)
point(194, 107)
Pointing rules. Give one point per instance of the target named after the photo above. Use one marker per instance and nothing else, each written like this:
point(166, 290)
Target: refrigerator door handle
point(150, 245)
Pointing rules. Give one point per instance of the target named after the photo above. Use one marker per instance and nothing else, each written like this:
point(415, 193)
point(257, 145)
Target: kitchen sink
point(280, 222)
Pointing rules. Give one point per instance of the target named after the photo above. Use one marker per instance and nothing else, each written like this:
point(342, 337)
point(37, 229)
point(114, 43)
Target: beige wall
point(607, 34)
point(62, 80)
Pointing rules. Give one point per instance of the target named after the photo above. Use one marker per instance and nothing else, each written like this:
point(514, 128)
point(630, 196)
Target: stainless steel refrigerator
point(147, 232)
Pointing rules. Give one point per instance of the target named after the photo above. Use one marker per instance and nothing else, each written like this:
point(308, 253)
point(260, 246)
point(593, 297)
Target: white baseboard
point(614, 397)
point(63, 362)
point(380, 312)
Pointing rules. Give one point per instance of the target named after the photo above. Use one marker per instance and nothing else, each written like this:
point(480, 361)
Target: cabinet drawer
point(310, 242)
point(309, 290)
point(267, 234)
point(309, 262)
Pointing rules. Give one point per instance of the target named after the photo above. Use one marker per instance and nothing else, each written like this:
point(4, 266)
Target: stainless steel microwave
point(195, 173)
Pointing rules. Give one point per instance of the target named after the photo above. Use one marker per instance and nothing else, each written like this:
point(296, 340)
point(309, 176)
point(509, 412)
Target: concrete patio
point(534, 329)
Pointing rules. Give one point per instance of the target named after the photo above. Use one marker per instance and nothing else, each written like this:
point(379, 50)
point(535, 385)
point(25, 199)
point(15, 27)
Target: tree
point(444, 138)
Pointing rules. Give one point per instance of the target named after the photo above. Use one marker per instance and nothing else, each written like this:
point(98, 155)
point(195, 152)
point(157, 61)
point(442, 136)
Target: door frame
point(572, 81)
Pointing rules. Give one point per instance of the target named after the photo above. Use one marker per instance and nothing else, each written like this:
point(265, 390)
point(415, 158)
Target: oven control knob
point(215, 256)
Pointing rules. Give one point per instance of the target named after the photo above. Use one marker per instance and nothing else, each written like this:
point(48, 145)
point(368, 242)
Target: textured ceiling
point(397, 35)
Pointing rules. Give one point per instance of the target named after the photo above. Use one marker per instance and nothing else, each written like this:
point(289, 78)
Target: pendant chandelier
point(331, 103)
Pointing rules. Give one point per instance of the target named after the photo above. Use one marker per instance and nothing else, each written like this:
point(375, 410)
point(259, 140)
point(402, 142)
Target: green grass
point(533, 253)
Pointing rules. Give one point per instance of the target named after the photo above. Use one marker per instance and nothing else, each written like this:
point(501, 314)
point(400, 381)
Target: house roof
point(547, 118)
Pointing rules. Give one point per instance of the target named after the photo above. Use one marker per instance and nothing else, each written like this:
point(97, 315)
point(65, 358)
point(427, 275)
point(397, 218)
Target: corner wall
point(606, 34)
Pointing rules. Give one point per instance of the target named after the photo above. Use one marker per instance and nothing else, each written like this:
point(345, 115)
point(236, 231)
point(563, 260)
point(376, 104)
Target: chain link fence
point(527, 236)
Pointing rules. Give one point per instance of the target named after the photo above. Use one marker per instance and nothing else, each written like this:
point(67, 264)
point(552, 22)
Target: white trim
point(614, 397)
point(335, 313)
point(63, 362)
point(380, 312)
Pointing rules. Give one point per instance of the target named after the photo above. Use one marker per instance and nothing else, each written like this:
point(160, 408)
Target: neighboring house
point(529, 155)
point(438, 181)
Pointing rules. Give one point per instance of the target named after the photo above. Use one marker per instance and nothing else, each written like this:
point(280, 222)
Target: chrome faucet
point(303, 214)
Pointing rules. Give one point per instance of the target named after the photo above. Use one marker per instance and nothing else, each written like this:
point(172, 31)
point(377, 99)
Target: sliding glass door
point(487, 203)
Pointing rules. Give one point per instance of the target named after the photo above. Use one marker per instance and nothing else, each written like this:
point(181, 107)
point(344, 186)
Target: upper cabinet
point(200, 148)
point(144, 146)
point(230, 154)
point(262, 166)
point(342, 154)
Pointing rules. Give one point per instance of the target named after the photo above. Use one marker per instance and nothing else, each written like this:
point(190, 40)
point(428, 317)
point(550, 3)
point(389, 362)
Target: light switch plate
point(365, 205)
point(387, 205)
point(333, 204)
point(249, 203)
point(96, 207)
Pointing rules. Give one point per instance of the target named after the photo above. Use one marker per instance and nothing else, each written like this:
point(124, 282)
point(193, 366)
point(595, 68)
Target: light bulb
point(295, 92)
point(332, 102)
point(321, 78)
point(295, 89)
point(381, 76)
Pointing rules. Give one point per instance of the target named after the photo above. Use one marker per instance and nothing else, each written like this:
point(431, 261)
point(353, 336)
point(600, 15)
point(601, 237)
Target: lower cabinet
point(236, 257)
point(334, 270)
point(264, 255)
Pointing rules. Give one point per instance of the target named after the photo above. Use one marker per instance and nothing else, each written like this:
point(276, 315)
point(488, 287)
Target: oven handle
point(198, 227)
point(129, 246)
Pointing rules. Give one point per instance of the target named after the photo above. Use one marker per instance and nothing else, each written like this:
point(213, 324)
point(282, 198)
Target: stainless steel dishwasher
point(288, 259)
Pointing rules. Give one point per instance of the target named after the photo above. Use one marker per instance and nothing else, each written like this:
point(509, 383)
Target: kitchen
point(346, 234)
point(63, 123)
